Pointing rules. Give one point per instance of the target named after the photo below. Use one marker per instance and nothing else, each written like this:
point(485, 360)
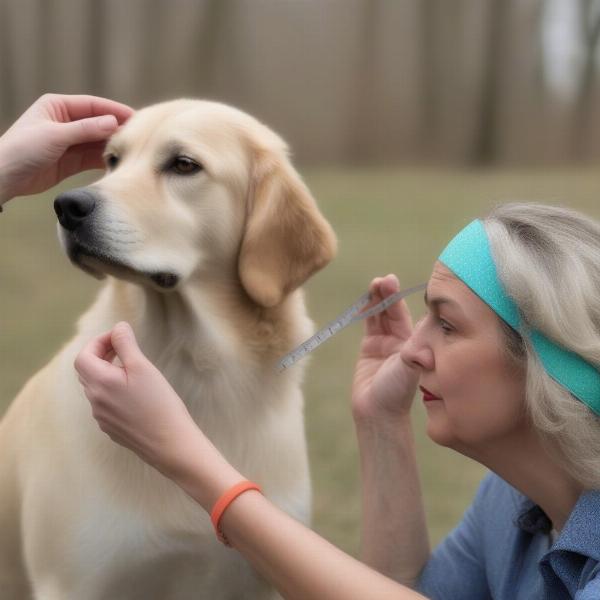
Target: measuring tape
point(350, 315)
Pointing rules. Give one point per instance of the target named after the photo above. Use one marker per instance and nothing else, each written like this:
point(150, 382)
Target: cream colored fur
point(82, 518)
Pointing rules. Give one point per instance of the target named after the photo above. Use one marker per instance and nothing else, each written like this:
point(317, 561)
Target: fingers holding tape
point(383, 297)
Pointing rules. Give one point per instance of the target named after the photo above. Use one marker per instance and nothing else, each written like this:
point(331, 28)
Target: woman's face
point(459, 349)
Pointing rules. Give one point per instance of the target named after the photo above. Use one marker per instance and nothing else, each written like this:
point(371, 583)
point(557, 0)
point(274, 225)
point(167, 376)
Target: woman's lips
point(427, 395)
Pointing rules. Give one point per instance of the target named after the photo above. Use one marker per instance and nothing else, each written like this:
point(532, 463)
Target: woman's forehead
point(444, 287)
point(443, 282)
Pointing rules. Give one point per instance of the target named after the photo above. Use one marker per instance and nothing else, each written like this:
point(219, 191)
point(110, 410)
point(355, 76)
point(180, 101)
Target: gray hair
point(548, 260)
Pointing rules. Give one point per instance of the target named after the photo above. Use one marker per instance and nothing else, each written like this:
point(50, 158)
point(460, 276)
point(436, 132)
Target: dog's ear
point(287, 239)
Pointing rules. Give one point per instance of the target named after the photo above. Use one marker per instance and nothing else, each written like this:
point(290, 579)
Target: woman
point(507, 357)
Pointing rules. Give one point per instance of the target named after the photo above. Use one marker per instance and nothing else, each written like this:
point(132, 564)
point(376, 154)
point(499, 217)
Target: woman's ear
point(287, 239)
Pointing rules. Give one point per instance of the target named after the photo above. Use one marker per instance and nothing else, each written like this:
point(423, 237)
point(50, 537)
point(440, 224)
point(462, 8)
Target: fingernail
point(107, 123)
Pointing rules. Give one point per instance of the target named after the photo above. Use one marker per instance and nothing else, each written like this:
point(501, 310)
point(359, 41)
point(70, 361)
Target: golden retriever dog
point(205, 232)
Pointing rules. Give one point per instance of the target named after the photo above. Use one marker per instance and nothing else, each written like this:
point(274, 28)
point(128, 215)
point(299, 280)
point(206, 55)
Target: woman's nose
point(416, 352)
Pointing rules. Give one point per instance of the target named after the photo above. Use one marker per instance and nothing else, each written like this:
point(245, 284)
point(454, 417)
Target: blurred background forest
point(407, 118)
point(345, 81)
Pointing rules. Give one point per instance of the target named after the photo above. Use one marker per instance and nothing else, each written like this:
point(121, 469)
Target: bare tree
point(429, 105)
point(583, 106)
point(212, 30)
point(96, 47)
point(7, 65)
point(364, 101)
point(496, 26)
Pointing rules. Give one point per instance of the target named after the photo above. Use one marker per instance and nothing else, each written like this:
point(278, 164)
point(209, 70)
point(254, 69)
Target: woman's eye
point(446, 327)
point(182, 165)
point(111, 160)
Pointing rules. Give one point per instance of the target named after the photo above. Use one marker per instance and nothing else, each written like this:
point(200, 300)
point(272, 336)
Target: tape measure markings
point(350, 315)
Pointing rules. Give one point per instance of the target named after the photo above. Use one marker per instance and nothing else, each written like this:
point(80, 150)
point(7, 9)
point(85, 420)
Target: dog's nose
point(73, 207)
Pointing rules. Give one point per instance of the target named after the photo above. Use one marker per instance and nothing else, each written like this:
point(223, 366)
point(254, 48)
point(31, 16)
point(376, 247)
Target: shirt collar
point(581, 532)
point(579, 540)
point(531, 518)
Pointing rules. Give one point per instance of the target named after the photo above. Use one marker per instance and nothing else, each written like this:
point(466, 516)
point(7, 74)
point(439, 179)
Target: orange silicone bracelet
point(223, 503)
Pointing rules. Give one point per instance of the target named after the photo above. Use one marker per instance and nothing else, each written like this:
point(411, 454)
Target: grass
point(387, 220)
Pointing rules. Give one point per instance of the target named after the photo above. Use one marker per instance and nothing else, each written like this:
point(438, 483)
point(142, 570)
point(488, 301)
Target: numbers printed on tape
point(350, 315)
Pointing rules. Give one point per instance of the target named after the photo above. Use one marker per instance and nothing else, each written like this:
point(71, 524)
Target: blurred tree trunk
point(589, 31)
point(7, 65)
point(213, 27)
point(363, 116)
point(95, 48)
point(429, 40)
point(449, 73)
point(496, 27)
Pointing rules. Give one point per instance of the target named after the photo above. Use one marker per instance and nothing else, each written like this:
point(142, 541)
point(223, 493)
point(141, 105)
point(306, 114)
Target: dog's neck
point(169, 324)
point(208, 330)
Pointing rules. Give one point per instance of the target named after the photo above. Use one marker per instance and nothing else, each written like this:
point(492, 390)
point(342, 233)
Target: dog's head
point(194, 188)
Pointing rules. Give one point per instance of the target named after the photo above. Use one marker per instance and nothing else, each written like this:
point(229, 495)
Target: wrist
point(16, 160)
point(388, 425)
point(385, 437)
point(223, 503)
point(202, 471)
point(5, 188)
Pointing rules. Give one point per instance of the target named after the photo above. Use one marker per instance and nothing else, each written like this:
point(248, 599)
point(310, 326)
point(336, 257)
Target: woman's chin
point(440, 434)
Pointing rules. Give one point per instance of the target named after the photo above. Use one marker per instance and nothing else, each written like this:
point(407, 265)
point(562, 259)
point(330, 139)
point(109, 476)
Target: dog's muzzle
point(78, 213)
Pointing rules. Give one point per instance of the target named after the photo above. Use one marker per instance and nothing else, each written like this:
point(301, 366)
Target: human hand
point(134, 404)
point(384, 386)
point(57, 136)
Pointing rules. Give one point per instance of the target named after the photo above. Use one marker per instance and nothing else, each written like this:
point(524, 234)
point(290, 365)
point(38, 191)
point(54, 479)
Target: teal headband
point(469, 257)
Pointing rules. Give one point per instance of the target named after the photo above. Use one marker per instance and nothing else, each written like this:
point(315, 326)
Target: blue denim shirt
point(501, 550)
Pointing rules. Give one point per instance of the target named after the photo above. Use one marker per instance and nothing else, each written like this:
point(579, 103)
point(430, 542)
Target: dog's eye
point(182, 165)
point(111, 160)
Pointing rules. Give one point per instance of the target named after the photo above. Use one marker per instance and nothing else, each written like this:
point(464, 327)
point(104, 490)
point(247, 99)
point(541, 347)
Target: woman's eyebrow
point(436, 301)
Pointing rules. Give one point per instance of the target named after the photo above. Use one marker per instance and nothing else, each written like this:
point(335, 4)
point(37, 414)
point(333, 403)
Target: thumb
point(124, 343)
point(94, 129)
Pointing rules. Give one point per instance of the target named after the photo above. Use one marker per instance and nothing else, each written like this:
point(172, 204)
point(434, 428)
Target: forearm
point(301, 564)
point(394, 529)
point(297, 561)
point(12, 163)
point(5, 191)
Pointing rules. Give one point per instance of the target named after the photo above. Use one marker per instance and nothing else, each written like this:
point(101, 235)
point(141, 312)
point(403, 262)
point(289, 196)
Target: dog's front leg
point(14, 584)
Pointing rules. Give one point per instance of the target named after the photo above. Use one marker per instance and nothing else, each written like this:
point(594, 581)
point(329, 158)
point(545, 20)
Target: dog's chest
point(222, 396)
point(126, 559)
